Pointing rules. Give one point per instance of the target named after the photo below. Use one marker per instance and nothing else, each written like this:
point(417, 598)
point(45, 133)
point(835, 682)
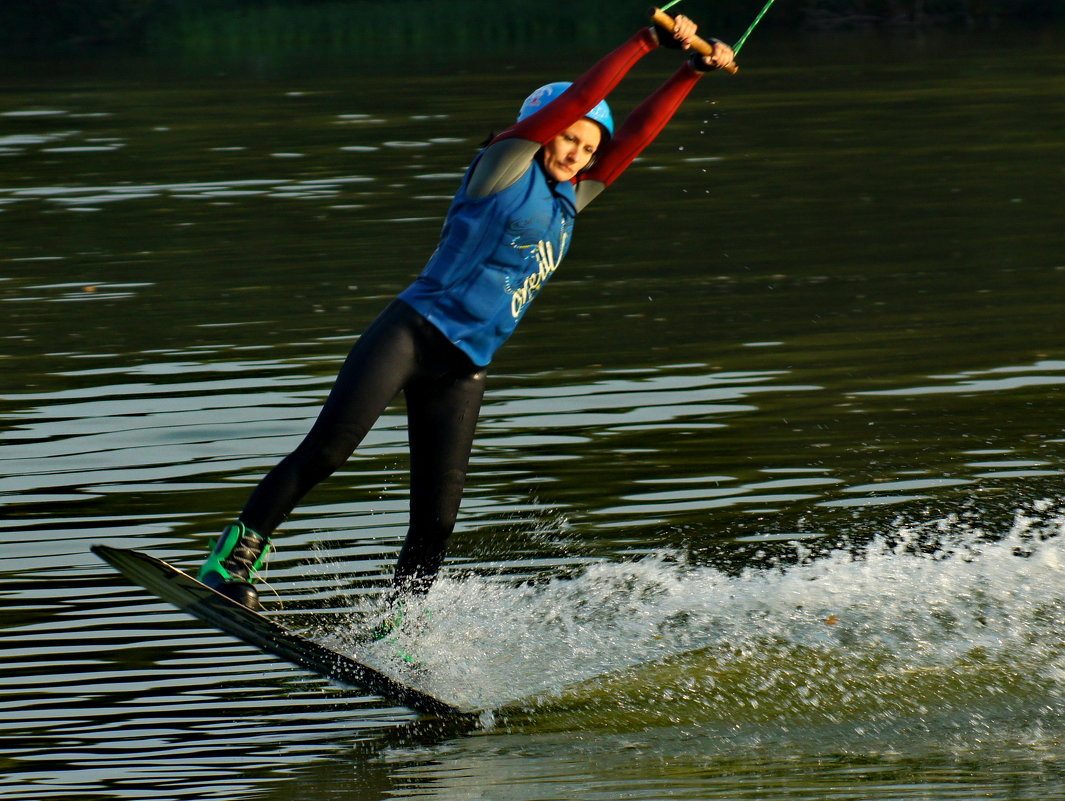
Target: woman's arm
point(510, 153)
point(585, 93)
point(640, 129)
point(645, 123)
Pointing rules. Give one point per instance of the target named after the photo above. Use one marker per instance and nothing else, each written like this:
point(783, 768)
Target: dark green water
point(793, 401)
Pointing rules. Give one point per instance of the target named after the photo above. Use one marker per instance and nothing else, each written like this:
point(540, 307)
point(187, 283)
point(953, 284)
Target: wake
point(931, 620)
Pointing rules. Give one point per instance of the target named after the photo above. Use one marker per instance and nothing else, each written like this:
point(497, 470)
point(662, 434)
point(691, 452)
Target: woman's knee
point(323, 453)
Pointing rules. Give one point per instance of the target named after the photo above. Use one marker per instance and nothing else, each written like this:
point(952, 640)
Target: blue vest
point(494, 255)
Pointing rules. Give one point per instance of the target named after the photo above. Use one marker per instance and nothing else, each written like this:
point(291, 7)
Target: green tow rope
point(736, 47)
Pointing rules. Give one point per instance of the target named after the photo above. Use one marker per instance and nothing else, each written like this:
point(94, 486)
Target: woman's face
point(569, 152)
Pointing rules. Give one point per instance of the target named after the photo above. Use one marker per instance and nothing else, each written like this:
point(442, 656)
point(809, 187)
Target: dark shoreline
point(73, 25)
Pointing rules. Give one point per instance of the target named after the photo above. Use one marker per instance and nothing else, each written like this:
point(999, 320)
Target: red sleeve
point(585, 93)
point(642, 126)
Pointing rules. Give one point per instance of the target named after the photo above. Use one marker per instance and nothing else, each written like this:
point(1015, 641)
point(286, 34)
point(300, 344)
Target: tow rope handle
point(699, 45)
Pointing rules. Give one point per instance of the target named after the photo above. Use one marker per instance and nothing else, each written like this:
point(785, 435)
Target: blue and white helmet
point(549, 91)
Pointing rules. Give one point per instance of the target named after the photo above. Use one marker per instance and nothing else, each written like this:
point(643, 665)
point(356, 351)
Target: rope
point(736, 47)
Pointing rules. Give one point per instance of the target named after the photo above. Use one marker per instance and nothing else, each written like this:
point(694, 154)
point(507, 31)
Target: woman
point(506, 232)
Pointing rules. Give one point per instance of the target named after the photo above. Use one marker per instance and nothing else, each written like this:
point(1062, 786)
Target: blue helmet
point(548, 92)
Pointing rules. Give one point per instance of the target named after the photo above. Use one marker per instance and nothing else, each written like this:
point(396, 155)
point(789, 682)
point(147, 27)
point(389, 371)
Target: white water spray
point(933, 619)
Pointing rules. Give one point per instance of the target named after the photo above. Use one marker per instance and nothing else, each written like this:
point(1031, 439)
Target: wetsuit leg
point(442, 411)
point(382, 361)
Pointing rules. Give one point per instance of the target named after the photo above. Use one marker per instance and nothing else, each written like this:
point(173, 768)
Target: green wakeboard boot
point(389, 628)
point(234, 564)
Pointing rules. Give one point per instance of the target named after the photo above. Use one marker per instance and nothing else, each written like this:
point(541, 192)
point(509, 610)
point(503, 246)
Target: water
point(766, 497)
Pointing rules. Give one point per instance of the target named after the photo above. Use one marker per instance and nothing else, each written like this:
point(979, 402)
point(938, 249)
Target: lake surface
point(779, 450)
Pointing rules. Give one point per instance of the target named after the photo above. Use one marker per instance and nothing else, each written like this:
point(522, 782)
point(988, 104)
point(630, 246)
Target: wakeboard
point(215, 609)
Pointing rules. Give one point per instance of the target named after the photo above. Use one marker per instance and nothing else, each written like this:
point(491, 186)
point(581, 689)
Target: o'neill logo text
point(546, 265)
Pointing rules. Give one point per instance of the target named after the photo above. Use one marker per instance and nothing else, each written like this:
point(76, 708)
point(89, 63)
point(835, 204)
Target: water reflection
point(157, 426)
point(995, 379)
point(81, 196)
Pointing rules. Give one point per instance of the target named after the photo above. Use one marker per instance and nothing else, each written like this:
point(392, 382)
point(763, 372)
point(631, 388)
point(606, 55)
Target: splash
point(930, 621)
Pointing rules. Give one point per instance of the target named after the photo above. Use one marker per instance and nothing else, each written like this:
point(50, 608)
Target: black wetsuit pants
point(400, 350)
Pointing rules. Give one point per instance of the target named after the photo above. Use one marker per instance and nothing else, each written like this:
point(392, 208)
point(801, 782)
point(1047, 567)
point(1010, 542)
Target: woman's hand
point(722, 57)
point(684, 30)
point(683, 37)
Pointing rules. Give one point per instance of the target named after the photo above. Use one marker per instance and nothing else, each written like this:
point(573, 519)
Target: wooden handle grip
point(662, 19)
